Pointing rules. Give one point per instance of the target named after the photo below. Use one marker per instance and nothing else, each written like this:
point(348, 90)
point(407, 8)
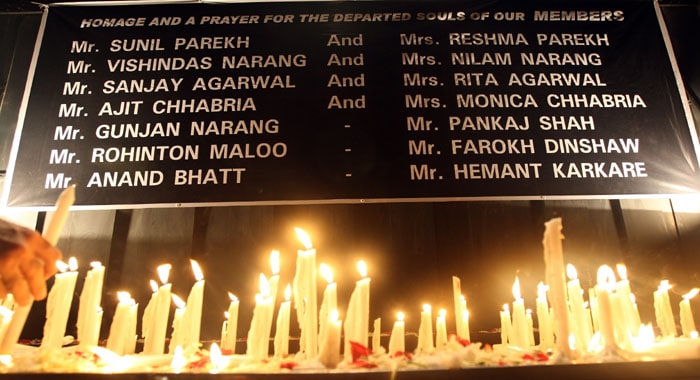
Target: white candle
point(604, 287)
point(180, 326)
point(53, 229)
point(687, 320)
point(578, 317)
point(90, 298)
point(192, 317)
point(330, 299)
point(554, 275)
point(259, 333)
point(662, 309)
point(58, 304)
point(544, 320)
point(282, 328)
point(506, 325)
point(230, 325)
point(356, 325)
point(458, 298)
point(377, 335)
point(329, 352)
point(157, 319)
point(304, 289)
point(275, 277)
point(440, 330)
point(397, 338)
point(5, 319)
point(119, 331)
point(627, 302)
point(519, 332)
point(425, 331)
point(530, 327)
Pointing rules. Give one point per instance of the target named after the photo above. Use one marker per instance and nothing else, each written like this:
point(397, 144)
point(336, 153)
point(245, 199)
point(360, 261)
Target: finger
point(33, 271)
point(19, 288)
point(3, 291)
point(46, 252)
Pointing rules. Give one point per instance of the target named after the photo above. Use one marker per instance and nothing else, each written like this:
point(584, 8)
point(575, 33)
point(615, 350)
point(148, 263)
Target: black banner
point(352, 101)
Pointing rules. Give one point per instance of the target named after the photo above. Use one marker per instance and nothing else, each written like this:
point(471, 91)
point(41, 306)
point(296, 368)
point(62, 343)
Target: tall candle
point(604, 287)
point(544, 320)
point(356, 325)
point(282, 329)
point(53, 229)
point(626, 301)
point(506, 325)
point(119, 331)
point(180, 326)
point(156, 321)
point(662, 310)
point(519, 335)
point(275, 277)
point(5, 319)
point(230, 325)
point(440, 329)
point(555, 279)
point(687, 320)
point(530, 327)
point(377, 335)
point(578, 317)
point(329, 352)
point(259, 333)
point(457, 298)
point(397, 338)
point(90, 298)
point(304, 289)
point(464, 326)
point(58, 304)
point(192, 317)
point(330, 299)
point(425, 331)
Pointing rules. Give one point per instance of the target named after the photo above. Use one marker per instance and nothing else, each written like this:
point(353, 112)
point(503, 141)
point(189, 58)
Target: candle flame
point(645, 338)
point(6, 313)
point(442, 313)
point(692, 293)
point(232, 297)
point(288, 292)
point(542, 290)
point(362, 268)
point(264, 286)
point(73, 264)
point(227, 315)
point(622, 271)
point(123, 297)
point(505, 307)
point(95, 264)
point(216, 357)
point(606, 277)
point(179, 302)
point(196, 270)
point(427, 308)
point(303, 237)
point(275, 261)
point(333, 316)
point(399, 316)
point(179, 361)
point(164, 272)
point(571, 272)
point(326, 272)
point(61, 266)
point(516, 288)
point(154, 285)
point(664, 286)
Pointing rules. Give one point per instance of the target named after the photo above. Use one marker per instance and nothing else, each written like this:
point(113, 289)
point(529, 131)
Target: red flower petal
point(288, 365)
point(358, 350)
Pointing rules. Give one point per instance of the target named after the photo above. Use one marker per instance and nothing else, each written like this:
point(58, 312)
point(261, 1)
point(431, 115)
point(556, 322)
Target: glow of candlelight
point(400, 316)
point(427, 308)
point(516, 288)
point(288, 292)
point(442, 313)
point(542, 290)
point(622, 271)
point(692, 293)
point(232, 297)
point(264, 286)
point(179, 361)
point(362, 268)
point(164, 273)
point(196, 270)
point(326, 272)
point(154, 285)
point(571, 272)
point(303, 238)
point(606, 277)
point(275, 262)
point(61, 266)
point(179, 302)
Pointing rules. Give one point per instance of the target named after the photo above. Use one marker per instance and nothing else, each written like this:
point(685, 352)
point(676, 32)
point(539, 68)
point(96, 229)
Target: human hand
point(27, 260)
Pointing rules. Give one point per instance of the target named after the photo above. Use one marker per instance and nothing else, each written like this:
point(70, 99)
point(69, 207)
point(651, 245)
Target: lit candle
point(458, 298)
point(53, 229)
point(230, 325)
point(259, 333)
point(425, 331)
point(330, 299)
point(58, 304)
point(192, 317)
point(275, 277)
point(282, 328)
point(519, 335)
point(626, 301)
point(377, 335)
point(156, 321)
point(604, 287)
point(440, 329)
point(5, 319)
point(578, 318)
point(663, 312)
point(304, 289)
point(506, 325)
point(177, 338)
point(530, 328)
point(397, 338)
point(356, 325)
point(119, 332)
point(544, 320)
point(90, 298)
point(555, 279)
point(329, 352)
point(687, 321)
